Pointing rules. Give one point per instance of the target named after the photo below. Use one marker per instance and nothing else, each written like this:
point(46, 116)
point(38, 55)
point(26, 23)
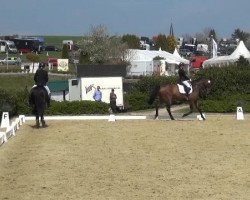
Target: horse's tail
point(153, 95)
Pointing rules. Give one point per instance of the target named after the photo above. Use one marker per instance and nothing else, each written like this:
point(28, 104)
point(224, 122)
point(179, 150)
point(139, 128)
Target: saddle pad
point(182, 91)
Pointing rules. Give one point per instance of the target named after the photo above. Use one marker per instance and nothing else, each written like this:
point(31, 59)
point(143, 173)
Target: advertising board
point(88, 86)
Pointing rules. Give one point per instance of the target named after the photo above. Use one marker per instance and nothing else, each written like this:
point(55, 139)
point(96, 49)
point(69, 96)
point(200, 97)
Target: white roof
point(148, 55)
point(241, 50)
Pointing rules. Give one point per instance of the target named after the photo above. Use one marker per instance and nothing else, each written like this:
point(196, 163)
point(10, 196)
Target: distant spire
point(171, 32)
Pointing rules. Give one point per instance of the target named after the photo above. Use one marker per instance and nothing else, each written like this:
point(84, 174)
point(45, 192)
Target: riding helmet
point(41, 65)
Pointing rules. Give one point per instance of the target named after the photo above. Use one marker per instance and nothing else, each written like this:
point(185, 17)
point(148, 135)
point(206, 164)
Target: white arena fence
point(11, 129)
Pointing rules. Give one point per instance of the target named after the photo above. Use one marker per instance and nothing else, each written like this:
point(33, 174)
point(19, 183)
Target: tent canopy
point(241, 50)
point(147, 55)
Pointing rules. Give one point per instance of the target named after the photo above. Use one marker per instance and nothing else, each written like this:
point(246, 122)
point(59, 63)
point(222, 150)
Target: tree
point(101, 48)
point(241, 35)
point(242, 61)
point(161, 42)
point(32, 57)
point(132, 41)
point(65, 51)
point(171, 44)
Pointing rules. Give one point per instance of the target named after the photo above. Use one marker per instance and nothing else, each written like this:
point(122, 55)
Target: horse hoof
point(43, 124)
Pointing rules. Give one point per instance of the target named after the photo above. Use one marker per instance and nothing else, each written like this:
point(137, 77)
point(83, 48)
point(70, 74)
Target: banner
point(214, 45)
point(63, 64)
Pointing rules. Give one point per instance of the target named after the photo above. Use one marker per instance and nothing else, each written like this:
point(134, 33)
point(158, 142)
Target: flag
point(214, 45)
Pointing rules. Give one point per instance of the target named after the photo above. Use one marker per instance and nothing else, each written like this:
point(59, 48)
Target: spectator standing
point(112, 99)
point(97, 96)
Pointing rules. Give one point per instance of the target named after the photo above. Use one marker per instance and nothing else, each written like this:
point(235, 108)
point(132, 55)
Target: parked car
point(185, 52)
point(11, 61)
point(51, 48)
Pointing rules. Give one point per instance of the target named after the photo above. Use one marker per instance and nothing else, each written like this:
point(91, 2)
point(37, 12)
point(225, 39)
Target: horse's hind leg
point(43, 121)
point(190, 111)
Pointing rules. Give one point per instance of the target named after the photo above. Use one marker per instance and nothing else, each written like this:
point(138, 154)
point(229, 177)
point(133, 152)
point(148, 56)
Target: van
point(7, 46)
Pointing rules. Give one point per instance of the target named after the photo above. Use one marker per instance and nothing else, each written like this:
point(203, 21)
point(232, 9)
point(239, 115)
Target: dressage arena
point(128, 159)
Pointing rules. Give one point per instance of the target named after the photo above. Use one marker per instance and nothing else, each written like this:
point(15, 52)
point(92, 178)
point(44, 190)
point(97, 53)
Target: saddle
point(182, 89)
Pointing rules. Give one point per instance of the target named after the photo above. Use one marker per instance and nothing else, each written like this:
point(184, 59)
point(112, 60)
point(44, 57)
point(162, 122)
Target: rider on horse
point(41, 78)
point(184, 80)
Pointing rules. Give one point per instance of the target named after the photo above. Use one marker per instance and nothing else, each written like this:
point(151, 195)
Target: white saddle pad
point(182, 91)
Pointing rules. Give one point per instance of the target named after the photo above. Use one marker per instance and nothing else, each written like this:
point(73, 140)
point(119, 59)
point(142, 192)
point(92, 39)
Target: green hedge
point(77, 108)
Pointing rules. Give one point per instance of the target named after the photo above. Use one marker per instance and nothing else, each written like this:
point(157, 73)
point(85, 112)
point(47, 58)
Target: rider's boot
point(30, 100)
point(48, 101)
point(187, 89)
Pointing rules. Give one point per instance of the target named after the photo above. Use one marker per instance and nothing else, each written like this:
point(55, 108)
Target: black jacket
point(41, 77)
point(182, 75)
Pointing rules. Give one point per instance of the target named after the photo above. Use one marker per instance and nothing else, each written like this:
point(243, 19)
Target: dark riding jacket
point(182, 75)
point(41, 77)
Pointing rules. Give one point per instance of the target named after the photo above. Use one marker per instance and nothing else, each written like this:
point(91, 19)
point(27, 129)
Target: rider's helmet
point(181, 65)
point(41, 65)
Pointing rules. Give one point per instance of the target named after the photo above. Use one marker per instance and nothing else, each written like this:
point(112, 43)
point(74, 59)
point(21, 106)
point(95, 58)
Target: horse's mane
point(194, 82)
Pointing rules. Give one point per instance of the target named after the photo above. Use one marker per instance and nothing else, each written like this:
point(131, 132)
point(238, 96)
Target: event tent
point(142, 61)
point(241, 50)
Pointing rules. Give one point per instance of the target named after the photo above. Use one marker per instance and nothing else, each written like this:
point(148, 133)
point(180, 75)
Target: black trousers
point(113, 106)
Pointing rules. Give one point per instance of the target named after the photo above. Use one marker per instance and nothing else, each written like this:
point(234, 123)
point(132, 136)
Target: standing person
point(112, 100)
point(97, 96)
point(41, 78)
point(184, 80)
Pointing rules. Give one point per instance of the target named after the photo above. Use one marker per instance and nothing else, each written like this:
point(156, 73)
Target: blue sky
point(140, 17)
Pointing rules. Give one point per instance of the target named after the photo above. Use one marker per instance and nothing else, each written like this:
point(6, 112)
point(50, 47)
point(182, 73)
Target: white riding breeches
point(187, 83)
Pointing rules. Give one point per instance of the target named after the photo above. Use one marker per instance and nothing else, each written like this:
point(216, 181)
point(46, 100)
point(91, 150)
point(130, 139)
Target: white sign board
point(88, 86)
point(63, 65)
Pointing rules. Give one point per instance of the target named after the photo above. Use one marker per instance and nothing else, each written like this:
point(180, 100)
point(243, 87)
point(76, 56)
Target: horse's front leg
point(37, 121)
point(156, 111)
point(198, 108)
point(191, 106)
point(169, 112)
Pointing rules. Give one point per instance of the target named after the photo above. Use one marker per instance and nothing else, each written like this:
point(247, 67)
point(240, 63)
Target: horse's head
point(203, 84)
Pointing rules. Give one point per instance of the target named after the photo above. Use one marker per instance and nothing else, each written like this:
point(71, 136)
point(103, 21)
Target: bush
point(227, 105)
point(136, 101)
point(77, 108)
point(7, 103)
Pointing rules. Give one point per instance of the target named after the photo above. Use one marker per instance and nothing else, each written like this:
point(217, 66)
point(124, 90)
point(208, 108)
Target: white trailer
point(84, 88)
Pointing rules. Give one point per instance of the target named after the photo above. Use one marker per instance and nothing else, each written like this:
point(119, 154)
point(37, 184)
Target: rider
point(184, 79)
point(41, 78)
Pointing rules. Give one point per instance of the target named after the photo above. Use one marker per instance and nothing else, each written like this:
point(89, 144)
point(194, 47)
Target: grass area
point(18, 82)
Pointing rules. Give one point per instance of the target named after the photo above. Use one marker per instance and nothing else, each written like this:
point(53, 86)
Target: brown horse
point(169, 94)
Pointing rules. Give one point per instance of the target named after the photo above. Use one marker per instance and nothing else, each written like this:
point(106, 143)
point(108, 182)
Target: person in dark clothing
point(184, 80)
point(112, 99)
point(41, 79)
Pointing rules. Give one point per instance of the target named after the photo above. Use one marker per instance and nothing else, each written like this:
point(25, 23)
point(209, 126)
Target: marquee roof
point(149, 55)
point(241, 50)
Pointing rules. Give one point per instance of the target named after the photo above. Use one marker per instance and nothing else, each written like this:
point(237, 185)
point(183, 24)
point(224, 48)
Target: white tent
point(142, 61)
point(241, 50)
